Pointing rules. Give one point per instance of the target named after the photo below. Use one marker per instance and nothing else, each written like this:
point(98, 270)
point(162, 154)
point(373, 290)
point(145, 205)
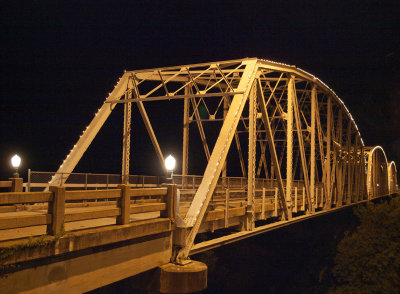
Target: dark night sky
point(59, 60)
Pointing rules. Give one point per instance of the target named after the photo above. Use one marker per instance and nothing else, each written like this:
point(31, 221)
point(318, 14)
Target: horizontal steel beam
point(172, 97)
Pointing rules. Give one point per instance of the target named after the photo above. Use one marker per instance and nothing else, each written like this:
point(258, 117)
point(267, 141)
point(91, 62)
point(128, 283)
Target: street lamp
point(170, 165)
point(15, 162)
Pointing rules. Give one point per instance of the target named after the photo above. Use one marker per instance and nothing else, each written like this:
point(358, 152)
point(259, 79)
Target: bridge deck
point(92, 213)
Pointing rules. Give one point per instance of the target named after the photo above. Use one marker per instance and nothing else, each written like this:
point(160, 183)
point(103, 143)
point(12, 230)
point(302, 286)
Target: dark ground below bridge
point(294, 259)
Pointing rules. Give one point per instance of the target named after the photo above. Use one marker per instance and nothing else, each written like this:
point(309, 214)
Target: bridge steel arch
point(290, 132)
point(377, 172)
point(392, 177)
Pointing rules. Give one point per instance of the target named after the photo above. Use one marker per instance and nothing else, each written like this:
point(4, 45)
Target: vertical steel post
point(276, 202)
point(289, 146)
point(185, 145)
point(273, 167)
point(301, 151)
point(339, 169)
point(226, 208)
point(328, 155)
point(333, 197)
point(251, 159)
point(375, 175)
point(226, 106)
point(126, 138)
point(348, 165)
point(312, 156)
point(357, 171)
point(263, 203)
point(320, 141)
point(363, 175)
point(322, 197)
point(29, 180)
point(353, 169)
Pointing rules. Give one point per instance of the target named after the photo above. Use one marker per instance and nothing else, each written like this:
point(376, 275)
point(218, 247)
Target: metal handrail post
point(29, 180)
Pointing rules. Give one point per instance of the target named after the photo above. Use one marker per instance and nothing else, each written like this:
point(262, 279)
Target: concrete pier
point(188, 278)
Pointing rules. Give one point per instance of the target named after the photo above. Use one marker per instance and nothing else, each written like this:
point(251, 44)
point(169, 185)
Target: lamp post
point(15, 162)
point(170, 165)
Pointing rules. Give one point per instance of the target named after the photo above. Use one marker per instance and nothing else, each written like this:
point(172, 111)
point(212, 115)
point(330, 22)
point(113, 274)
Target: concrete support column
point(16, 184)
point(57, 210)
point(173, 278)
point(188, 278)
point(124, 204)
point(170, 200)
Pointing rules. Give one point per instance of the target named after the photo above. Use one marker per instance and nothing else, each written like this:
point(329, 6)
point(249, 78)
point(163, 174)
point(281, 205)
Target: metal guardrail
point(38, 180)
point(228, 189)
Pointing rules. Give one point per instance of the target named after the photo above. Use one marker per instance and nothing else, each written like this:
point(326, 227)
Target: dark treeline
point(295, 259)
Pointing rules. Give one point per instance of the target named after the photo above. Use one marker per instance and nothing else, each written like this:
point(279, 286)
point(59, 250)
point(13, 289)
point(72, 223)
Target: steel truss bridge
point(298, 149)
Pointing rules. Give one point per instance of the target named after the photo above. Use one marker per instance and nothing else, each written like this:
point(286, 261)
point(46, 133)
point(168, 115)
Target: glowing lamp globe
point(16, 161)
point(170, 163)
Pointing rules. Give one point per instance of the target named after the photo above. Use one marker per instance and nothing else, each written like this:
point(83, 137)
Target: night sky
point(59, 61)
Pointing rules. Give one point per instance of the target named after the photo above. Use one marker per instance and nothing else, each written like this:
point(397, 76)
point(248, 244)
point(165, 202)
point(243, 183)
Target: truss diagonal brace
point(152, 135)
point(200, 127)
point(270, 138)
point(90, 133)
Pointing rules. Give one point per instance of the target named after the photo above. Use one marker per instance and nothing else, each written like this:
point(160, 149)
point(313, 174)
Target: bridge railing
point(38, 180)
point(193, 182)
point(12, 185)
point(227, 207)
point(127, 201)
point(87, 181)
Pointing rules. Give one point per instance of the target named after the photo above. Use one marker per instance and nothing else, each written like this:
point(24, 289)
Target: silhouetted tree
point(368, 260)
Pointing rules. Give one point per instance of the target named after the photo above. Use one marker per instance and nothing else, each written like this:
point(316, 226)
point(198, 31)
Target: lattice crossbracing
point(297, 133)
